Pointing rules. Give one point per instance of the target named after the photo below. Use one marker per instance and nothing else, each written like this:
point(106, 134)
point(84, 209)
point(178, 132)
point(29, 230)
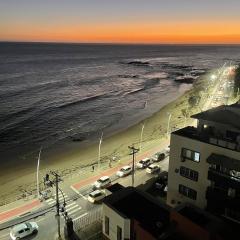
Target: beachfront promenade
point(21, 207)
point(19, 211)
point(82, 189)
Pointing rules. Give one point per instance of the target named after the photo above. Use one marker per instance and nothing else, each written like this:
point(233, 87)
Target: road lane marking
point(70, 204)
point(50, 201)
point(75, 206)
point(83, 215)
point(75, 210)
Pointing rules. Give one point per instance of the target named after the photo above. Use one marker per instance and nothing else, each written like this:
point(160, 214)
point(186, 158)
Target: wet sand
point(19, 181)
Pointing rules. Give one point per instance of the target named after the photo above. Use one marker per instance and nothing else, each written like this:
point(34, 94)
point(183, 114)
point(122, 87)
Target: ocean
point(55, 93)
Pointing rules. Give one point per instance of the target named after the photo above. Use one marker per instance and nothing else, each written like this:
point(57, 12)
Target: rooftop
point(227, 115)
point(115, 187)
point(134, 204)
point(202, 219)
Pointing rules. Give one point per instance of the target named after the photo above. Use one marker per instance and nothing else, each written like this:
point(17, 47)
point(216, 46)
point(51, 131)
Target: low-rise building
point(131, 214)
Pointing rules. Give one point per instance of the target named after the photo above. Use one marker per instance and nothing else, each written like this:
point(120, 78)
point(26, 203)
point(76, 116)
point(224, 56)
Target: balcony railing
point(205, 136)
point(219, 196)
point(225, 179)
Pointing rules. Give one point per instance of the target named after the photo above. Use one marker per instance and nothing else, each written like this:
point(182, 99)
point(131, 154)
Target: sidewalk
point(114, 169)
point(19, 210)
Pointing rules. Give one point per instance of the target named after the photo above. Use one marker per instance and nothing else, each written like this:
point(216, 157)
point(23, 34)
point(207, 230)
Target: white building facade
point(204, 163)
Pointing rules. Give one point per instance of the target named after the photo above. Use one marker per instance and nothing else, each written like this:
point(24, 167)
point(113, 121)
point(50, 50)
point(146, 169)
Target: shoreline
point(18, 180)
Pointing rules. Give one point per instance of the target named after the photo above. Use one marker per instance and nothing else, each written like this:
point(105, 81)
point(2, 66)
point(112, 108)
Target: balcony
point(224, 179)
point(207, 137)
point(217, 197)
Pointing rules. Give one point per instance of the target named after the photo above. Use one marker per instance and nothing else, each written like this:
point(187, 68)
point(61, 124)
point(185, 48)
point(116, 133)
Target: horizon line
point(116, 43)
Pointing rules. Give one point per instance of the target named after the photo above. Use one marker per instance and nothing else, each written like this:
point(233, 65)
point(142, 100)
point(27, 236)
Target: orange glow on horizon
point(184, 32)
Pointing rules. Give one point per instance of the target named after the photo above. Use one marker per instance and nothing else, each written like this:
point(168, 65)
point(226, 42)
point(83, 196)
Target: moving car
point(143, 163)
point(102, 182)
point(153, 168)
point(23, 230)
point(96, 196)
point(159, 156)
point(124, 171)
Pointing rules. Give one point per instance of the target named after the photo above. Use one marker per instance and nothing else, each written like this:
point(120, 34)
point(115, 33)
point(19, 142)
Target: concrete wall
point(115, 220)
point(174, 179)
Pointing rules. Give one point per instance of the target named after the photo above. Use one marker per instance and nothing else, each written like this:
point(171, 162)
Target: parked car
point(153, 168)
point(159, 156)
point(102, 182)
point(167, 149)
point(143, 163)
point(96, 196)
point(124, 171)
point(23, 230)
point(162, 181)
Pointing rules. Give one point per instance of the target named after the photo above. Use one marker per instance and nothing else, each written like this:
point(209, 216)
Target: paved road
point(77, 204)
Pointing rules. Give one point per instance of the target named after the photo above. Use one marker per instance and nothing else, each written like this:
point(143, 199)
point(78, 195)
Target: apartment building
point(204, 163)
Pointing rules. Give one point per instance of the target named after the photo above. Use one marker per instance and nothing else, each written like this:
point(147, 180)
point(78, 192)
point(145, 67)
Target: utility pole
point(133, 152)
point(57, 202)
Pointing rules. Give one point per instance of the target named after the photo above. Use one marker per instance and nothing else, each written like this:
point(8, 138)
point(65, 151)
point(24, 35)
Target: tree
point(193, 101)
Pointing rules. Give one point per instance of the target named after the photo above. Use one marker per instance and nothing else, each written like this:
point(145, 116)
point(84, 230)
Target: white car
point(124, 171)
point(96, 196)
point(153, 168)
point(22, 230)
point(102, 182)
point(144, 163)
point(159, 156)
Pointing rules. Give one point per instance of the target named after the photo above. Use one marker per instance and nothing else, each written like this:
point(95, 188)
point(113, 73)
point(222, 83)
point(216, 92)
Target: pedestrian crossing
point(72, 208)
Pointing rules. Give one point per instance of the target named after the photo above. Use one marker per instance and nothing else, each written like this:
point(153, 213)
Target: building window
point(188, 192)
point(119, 233)
point(107, 225)
point(191, 155)
point(189, 173)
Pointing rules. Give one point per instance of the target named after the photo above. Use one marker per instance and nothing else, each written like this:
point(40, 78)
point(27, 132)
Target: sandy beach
point(75, 163)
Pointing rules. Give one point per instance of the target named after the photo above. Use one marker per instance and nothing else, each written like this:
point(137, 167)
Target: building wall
point(140, 233)
point(174, 179)
point(187, 228)
point(115, 220)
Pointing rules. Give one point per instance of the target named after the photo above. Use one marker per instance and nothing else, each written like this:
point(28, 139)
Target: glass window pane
point(197, 157)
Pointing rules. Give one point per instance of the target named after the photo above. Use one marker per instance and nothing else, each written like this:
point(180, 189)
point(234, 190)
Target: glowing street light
point(213, 77)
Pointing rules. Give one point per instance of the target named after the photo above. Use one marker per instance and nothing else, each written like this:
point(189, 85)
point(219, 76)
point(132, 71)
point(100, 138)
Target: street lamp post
point(186, 116)
point(99, 150)
point(38, 163)
point(140, 145)
point(168, 126)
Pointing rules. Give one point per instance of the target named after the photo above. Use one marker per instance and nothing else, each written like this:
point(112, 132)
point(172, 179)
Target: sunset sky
point(121, 21)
